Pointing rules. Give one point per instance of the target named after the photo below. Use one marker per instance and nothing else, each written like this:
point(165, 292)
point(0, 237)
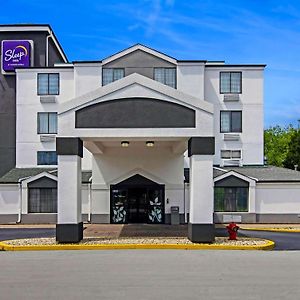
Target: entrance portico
point(137, 131)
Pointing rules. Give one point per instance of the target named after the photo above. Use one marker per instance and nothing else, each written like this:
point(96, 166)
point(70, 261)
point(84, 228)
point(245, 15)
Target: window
point(230, 82)
point(47, 122)
point(42, 200)
point(231, 199)
point(231, 121)
point(48, 84)
point(111, 75)
point(230, 154)
point(166, 76)
point(46, 158)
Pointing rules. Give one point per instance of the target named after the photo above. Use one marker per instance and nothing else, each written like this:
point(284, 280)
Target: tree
point(293, 155)
point(277, 142)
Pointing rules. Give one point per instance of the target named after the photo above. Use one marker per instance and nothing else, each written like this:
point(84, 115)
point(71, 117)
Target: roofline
point(86, 61)
point(236, 66)
point(171, 59)
point(191, 61)
point(281, 181)
point(37, 27)
point(46, 68)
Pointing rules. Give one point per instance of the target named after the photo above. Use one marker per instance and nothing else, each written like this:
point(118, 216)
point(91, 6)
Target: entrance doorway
point(137, 205)
point(137, 200)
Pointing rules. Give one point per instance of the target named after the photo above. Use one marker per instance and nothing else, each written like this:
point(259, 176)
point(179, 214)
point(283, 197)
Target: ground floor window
point(42, 200)
point(231, 199)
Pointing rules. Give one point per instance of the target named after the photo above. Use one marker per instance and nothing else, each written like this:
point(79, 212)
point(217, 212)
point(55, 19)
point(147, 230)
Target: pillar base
point(69, 233)
point(201, 233)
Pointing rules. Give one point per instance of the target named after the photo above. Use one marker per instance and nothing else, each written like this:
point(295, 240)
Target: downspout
point(20, 199)
point(184, 214)
point(90, 199)
point(47, 48)
point(20, 202)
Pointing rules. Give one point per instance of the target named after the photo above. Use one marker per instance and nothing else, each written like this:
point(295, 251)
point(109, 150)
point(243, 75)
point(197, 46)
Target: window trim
point(37, 85)
point(155, 68)
point(230, 72)
point(123, 69)
point(46, 112)
point(230, 111)
point(37, 161)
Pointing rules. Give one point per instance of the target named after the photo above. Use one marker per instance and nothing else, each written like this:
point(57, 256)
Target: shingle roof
point(261, 173)
point(14, 175)
point(267, 173)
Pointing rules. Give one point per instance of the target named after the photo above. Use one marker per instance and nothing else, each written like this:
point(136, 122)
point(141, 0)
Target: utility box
point(175, 215)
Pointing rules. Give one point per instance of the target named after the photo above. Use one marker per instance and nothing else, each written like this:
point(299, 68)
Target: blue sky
point(249, 31)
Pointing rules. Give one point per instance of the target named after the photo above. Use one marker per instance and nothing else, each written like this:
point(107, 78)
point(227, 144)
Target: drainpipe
point(20, 199)
point(47, 47)
point(183, 200)
point(90, 199)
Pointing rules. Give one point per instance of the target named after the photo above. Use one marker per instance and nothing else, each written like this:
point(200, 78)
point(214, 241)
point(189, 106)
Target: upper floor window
point(48, 84)
point(231, 82)
point(231, 154)
point(111, 74)
point(166, 76)
point(47, 122)
point(46, 158)
point(231, 121)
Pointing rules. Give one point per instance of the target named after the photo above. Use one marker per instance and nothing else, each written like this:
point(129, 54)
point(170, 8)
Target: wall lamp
point(150, 144)
point(124, 144)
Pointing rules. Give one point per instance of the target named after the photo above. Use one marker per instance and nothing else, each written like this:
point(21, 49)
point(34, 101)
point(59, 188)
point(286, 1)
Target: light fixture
point(150, 144)
point(124, 144)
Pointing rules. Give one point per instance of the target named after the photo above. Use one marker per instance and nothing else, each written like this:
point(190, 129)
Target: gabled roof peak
point(141, 47)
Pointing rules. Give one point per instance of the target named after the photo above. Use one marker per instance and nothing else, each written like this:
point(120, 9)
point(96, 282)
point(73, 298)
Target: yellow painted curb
point(269, 245)
point(270, 229)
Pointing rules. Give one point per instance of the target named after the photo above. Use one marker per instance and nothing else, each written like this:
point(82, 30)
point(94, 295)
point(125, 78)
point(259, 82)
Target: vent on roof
point(47, 99)
point(231, 137)
point(231, 97)
point(47, 138)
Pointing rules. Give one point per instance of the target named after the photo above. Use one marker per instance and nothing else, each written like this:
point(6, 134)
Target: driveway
point(150, 274)
point(283, 240)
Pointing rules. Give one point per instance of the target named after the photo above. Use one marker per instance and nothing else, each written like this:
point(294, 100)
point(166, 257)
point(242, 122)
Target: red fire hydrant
point(232, 229)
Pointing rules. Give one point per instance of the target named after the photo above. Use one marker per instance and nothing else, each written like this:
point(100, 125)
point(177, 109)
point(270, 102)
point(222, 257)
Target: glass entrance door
point(137, 205)
point(137, 200)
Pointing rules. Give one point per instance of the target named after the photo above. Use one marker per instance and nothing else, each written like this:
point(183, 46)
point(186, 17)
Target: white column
point(69, 228)
point(69, 189)
point(201, 223)
point(201, 189)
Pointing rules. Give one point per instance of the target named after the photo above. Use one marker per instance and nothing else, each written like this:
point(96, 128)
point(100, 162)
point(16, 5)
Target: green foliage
point(278, 141)
point(293, 155)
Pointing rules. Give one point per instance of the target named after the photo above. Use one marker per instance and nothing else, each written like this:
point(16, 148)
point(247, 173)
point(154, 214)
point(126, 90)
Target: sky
point(237, 31)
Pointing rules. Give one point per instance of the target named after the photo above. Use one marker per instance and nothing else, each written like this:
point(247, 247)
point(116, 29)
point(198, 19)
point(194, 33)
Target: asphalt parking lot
point(150, 274)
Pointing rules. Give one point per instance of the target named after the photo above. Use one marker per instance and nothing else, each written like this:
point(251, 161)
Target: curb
point(269, 229)
point(269, 245)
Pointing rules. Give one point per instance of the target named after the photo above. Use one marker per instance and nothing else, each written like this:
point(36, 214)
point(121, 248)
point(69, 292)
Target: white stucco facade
point(196, 93)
